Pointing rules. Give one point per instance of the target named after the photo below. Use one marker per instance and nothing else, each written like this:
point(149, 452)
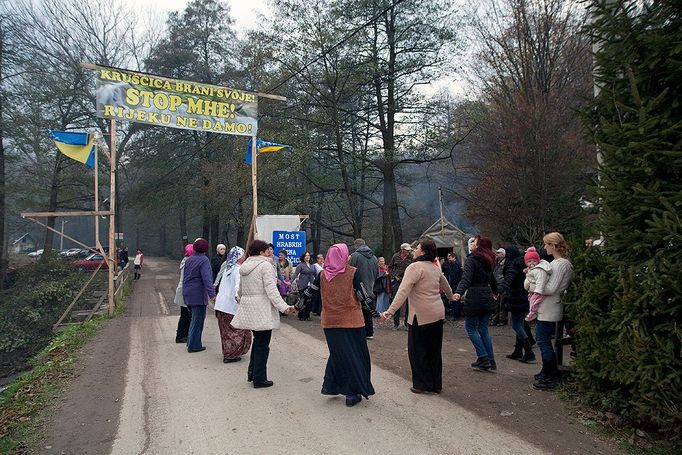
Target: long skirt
point(236, 342)
point(424, 343)
point(349, 366)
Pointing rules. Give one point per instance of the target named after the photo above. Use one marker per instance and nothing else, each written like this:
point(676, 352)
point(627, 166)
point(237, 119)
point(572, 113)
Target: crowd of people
point(249, 290)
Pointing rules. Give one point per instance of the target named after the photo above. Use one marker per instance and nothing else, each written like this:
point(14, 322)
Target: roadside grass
point(22, 402)
point(632, 440)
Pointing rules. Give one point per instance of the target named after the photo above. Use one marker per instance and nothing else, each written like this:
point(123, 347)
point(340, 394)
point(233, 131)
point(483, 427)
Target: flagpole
point(254, 185)
point(112, 210)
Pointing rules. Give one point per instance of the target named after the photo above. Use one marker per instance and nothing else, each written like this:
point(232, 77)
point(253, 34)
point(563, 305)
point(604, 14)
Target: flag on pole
point(77, 146)
point(264, 147)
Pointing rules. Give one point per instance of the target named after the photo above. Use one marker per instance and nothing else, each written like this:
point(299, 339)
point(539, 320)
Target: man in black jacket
point(396, 269)
point(367, 264)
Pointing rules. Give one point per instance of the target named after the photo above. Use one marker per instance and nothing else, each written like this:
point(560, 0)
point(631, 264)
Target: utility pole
point(61, 237)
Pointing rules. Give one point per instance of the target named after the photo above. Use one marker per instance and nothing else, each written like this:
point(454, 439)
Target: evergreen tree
point(629, 306)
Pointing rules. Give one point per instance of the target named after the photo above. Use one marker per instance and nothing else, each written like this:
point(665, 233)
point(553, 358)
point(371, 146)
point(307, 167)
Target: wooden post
point(440, 202)
point(253, 234)
point(98, 246)
point(112, 226)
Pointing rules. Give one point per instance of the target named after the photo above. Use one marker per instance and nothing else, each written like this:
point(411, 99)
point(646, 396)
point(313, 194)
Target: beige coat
point(551, 309)
point(421, 284)
point(258, 297)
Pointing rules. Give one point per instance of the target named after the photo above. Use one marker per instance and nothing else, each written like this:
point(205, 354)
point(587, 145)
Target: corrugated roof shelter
point(448, 237)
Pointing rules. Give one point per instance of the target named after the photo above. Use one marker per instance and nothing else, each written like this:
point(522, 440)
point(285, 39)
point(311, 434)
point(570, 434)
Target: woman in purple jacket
point(197, 289)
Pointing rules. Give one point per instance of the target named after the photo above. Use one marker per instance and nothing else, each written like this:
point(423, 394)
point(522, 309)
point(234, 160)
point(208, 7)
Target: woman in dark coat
point(349, 366)
point(517, 301)
point(479, 284)
point(197, 289)
point(303, 276)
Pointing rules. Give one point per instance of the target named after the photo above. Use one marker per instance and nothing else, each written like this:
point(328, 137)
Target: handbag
point(367, 303)
point(380, 285)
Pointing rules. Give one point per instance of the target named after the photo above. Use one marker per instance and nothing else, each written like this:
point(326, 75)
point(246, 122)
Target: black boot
point(518, 350)
point(551, 379)
point(482, 364)
point(541, 374)
point(528, 356)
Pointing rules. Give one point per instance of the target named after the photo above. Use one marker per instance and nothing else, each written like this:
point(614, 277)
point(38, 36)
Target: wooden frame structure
point(111, 213)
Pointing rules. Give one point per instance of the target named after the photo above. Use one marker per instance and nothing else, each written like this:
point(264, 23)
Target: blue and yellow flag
point(77, 146)
point(264, 147)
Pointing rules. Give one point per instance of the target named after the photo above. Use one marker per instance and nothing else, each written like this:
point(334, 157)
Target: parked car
point(70, 253)
point(82, 253)
point(91, 262)
point(36, 254)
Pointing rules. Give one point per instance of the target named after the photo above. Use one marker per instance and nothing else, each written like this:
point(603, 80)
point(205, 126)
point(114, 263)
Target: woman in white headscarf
point(236, 342)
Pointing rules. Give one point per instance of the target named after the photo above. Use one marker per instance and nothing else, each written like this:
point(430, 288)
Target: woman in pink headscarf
point(348, 367)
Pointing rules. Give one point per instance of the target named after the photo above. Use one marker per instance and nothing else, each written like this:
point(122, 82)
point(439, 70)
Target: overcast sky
point(242, 11)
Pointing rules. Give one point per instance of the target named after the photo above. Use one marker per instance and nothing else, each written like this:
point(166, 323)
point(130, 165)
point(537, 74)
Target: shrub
point(41, 292)
point(629, 304)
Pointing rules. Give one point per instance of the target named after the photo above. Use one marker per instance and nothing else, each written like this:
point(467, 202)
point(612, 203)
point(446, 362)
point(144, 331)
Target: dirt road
point(139, 392)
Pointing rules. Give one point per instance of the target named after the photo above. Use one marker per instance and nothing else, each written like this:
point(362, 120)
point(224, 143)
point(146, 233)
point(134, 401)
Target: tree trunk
point(183, 227)
point(388, 239)
point(3, 253)
point(162, 240)
point(316, 227)
point(241, 231)
point(226, 234)
point(347, 186)
point(51, 207)
point(215, 231)
point(205, 222)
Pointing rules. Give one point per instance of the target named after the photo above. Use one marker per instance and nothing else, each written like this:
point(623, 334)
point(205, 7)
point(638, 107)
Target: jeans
point(260, 350)
point(382, 302)
point(196, 327)
point(544, 331)
point(395, 285)
point(518, 326)
point(477, 329)
point(396, 317)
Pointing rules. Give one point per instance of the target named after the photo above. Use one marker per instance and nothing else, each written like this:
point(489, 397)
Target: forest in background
point(372, 140)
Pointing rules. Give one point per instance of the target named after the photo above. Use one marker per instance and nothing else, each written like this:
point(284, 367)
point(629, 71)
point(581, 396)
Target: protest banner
point(157, 100)
point(293, 242)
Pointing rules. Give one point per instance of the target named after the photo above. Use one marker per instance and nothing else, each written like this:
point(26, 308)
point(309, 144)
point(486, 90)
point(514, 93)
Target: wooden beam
point(78, 296)
point(66, 236)
point(272, 97)
point(76, 213)
point(112, 221)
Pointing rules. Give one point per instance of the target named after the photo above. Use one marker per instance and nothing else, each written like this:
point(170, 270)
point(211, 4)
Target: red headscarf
point(200, 245)
point(336, 261)
point(189, 250)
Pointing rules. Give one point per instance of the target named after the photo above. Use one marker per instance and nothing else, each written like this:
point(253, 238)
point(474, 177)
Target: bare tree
point(532, 160)
point(9, 70)
point(59, 35)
